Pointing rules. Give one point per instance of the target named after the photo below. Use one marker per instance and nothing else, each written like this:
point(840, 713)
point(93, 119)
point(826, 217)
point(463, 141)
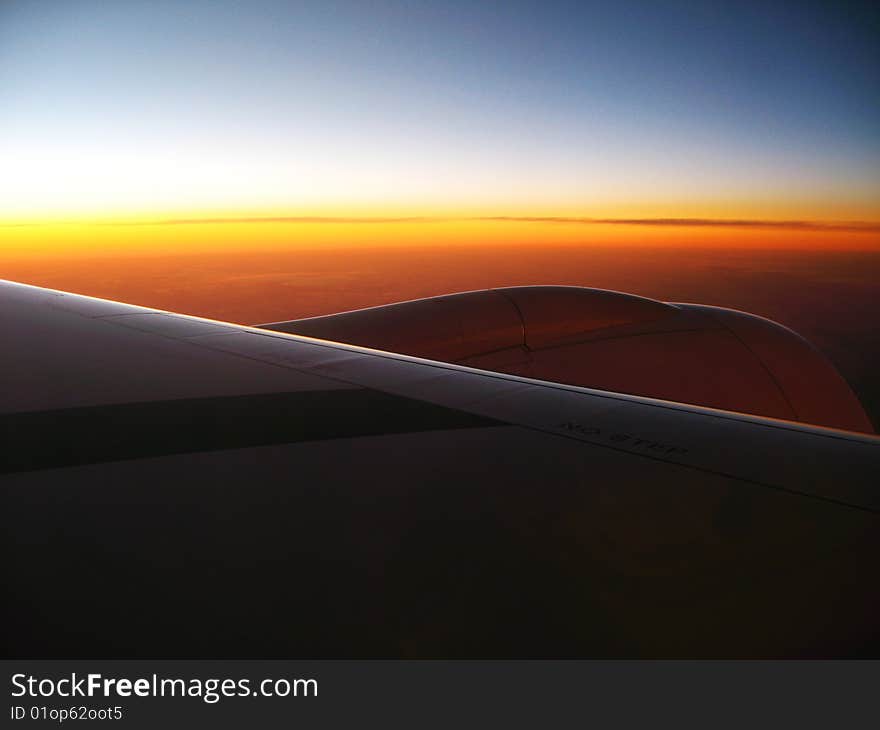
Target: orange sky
point(19, 242)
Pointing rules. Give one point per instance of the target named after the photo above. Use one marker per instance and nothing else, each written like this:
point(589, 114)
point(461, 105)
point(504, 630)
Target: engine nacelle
point(688, 353)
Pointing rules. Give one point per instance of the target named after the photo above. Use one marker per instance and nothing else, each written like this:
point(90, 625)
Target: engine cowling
point(687, 353)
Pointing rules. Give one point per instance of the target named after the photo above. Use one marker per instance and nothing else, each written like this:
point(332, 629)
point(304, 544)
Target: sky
point(149, 111)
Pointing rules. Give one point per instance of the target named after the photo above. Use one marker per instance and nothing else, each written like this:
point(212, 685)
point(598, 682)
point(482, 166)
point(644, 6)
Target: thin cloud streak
point(698, 222)
point(290, 219)
point(792, 225)
point(801, 225)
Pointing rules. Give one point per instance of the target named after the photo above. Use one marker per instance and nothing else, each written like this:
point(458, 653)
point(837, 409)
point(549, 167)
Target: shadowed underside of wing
point(687, 353)
point(173, 486)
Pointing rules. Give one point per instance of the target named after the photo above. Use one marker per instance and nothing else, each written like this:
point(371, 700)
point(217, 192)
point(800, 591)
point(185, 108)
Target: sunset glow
point(149, 111)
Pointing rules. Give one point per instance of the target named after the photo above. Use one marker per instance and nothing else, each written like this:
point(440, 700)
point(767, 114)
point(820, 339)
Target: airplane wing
point(176, 487)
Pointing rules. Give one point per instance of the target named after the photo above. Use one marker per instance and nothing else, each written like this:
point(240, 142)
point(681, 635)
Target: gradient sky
point(711, 109)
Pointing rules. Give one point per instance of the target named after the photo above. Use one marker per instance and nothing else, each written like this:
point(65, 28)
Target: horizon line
point(791, 224)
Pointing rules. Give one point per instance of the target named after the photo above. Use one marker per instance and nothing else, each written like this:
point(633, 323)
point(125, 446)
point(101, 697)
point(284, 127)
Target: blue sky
point(672, 108)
